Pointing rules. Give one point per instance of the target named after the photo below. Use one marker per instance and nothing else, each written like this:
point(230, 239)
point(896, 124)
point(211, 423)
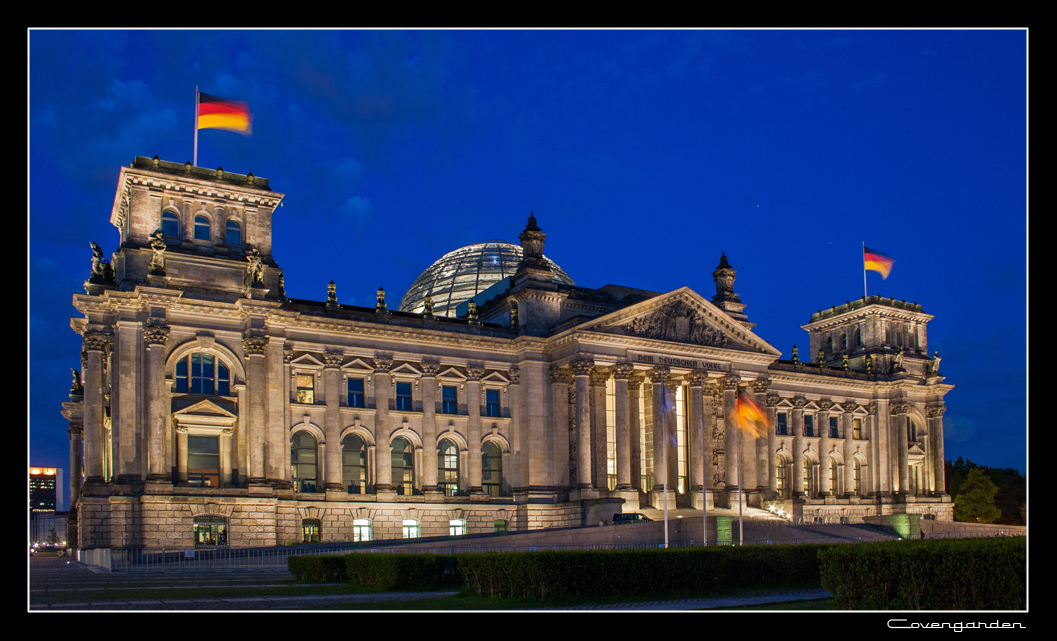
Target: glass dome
point(462, 274)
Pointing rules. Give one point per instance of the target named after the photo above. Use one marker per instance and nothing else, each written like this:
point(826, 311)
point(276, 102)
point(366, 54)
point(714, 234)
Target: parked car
point(633, 517)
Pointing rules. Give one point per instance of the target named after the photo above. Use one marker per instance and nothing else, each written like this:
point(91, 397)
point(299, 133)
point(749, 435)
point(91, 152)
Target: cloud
point(358, 209)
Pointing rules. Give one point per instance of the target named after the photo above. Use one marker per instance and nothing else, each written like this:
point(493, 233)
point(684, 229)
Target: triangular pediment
point(681, 316)
point(204, 408)
point(406, 369)
point(306, 360)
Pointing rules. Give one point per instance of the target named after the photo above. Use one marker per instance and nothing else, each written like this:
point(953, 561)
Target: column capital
point(825, 404)
point(582, 366)
point(95, 341)
point(561, 375)
point(697, 378)
point(772, 400)
point(515, 375)
point(382, 364)
point(155, 334)
point(430, 369)
point(332, 360)
point(730, 382)
point(760, 385)
point(899, 407)
point(799, 402)
point(254, 345)
point(658, 374)
point(288, 355)
point(599, 375)
point(935, 411)
point(635, 379)
point(76, 430)
point(474, 372)
point(621, 371)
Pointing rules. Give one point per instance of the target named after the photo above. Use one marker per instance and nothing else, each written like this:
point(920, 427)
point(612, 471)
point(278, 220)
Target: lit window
point(203, 461)
point(449, 399)
point(492, 402)
point(210, 529)
point(456, 527)
point(834, 431)
point(361, 530)
point(403, 397)
point(354, 464)
point(403, 466)
point(306, 388)
point(809, 425)
point(310, 530)
point(356, 397)
point(783, 478)
point(410, 529)
point(232, 234)
point(491, 469)
point(448, 468)
point(202, 373)
point(499, 526)
point(781, 424)
point(170, 224)
point(303, 462)
point(201, 228)
point(809, 478)
point(833, 474)
point(856, 428)
point(857, 467)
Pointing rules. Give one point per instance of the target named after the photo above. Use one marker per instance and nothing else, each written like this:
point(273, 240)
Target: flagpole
point(864, 269)
point(704, 493)
point(194, 161)
point(741, 499)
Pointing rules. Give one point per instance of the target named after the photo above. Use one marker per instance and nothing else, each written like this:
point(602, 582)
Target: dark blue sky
point(644, 155)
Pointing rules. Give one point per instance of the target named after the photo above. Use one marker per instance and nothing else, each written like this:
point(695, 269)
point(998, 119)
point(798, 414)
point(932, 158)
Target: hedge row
point(318, 569)
point(950, 574)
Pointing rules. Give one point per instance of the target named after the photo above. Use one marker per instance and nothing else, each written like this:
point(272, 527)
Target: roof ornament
point(380, 305)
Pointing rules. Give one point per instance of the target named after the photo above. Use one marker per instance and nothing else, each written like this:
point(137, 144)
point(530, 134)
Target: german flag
point(876, 261)
point(749, 416)
point(217, 113)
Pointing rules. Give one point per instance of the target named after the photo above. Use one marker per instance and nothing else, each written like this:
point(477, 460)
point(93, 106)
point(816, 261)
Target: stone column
point(513, 402)
point(473, 425)
point(159, 470)
point(384, 460)
point(125, 414)
point(95, 344)
point(798, 447)
point(935, 418)
point(879, 447)
point(428, 389)
point(332, 477)
point(761, 478)
point(620, 395)
point(825, 483)
point(582, 370)
point(72, 411)
point(288, 387)
point(599, 431)
point(563, 448)
point(660, 440)
point(899, 411)
point(696, 448)
point(771, 402)
point(731, 433)
point(847, 427)
point(634, 429)
point(253, 348)
point(712, 406)
point(277, 413)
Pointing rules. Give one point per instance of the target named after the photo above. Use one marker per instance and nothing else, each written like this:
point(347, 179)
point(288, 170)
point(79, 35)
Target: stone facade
point(212, 409)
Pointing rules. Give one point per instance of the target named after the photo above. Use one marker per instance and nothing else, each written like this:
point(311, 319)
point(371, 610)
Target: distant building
point(45, 489)
point(212, 409)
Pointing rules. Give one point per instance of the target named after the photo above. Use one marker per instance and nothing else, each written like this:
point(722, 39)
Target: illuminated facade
point(212, 409)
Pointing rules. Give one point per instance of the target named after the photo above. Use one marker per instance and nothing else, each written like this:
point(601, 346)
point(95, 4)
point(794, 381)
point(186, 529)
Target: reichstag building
point(499, 395)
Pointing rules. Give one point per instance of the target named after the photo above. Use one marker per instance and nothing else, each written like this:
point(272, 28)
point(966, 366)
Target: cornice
point(202, 188)
point(587, 337)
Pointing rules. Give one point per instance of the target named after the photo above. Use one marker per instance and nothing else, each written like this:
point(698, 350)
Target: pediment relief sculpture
point(677, 322)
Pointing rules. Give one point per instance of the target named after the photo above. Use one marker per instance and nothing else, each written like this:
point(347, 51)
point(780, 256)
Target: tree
point(975, 502)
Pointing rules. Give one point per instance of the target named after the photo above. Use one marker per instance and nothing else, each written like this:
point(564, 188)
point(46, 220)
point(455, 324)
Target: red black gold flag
point(217, 113)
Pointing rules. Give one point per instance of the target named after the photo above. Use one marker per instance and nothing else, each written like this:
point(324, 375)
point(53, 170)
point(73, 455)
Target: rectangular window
point(403, 397)
point(361, 530)
point(856, 428)
point(499, 526)
point(306, 389)
point(456, 527)
point(449, 404)
point(809, 425)
point(410, 529)
point(356, 397)
point(491, 402)
point(781, 425)
point(203, 461)
point(834, 432)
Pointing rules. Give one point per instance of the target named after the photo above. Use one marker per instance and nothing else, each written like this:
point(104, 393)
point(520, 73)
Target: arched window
point(303, 462)
point(232, 233)
point(170, 224)
point(403, 466)
point(354, 464)
point(783, 478)
point(311, 530)
point(491, 469)
point(210, 529)
point(202, 228)
point(829, 346)
point(448, 468)
point(202, 373)
point(844, 342)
